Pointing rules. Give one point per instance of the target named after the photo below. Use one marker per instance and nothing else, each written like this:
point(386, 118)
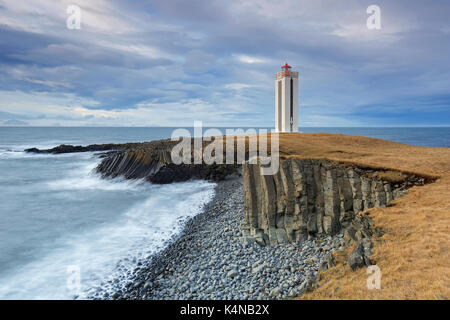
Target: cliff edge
point(412, 251)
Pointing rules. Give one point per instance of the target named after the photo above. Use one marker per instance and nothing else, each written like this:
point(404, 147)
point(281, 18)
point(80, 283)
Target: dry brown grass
point(413, 254)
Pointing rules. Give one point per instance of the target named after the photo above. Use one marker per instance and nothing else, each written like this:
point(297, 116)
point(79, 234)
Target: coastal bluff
point(308, 196)
point(389, 197)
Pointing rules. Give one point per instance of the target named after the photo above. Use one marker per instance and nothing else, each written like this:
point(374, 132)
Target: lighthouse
point(286, 100)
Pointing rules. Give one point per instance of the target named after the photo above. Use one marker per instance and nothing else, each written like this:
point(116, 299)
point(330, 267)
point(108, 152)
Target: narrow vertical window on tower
point(279, 113)
point(291, 114)
point(286, 102)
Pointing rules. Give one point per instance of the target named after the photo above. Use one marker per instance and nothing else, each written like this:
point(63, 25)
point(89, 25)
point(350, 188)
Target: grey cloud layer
point(214, 61)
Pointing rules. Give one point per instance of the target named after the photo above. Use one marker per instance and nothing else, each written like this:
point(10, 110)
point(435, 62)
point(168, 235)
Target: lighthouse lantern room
point(286, 100)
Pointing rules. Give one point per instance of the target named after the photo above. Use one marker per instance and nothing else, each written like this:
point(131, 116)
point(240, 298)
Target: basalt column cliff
point(314, 197)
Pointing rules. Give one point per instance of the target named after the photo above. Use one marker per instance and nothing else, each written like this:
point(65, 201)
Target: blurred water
point(56, 213)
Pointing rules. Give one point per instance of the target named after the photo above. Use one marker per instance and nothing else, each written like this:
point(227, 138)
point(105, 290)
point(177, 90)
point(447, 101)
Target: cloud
point(250, 60)
point(171, 62)
point(52, 84)
point(237, 86)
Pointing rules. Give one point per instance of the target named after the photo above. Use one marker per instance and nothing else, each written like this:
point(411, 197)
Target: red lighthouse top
point(286, 72)
point(286, 67)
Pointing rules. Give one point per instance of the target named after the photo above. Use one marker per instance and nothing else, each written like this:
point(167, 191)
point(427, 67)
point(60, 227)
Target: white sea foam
point(42, 145)
point(141, 218)
point(66, 215)
point(19, 148)
point(82, 176)
point(17, 154)
point(136, 232)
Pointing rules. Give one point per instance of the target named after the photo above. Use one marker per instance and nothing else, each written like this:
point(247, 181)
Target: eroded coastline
point(165, 283)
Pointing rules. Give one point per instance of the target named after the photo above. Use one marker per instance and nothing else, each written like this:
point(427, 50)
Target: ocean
point(60, 222)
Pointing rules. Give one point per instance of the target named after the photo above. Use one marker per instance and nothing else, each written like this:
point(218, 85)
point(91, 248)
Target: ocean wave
point(84, 177)
point(110, 250)
point(17, 154)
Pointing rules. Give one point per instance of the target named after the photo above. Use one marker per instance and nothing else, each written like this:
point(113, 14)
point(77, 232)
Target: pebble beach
point(211, 260)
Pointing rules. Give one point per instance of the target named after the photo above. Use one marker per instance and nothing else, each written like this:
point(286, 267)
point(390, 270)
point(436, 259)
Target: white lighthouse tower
point(286, 100)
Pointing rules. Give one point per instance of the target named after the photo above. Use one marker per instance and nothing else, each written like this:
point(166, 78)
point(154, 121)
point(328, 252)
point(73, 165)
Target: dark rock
point(327, 263)
point(64, 148)
point(153, 162)
point(358, 259)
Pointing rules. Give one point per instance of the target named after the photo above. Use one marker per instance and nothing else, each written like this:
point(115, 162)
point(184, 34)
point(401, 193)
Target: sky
point(173, 62)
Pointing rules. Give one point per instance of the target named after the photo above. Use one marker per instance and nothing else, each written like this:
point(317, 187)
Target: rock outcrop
point(315, 197)
point(360, 256)
point(153, 162)
point(66, 148)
